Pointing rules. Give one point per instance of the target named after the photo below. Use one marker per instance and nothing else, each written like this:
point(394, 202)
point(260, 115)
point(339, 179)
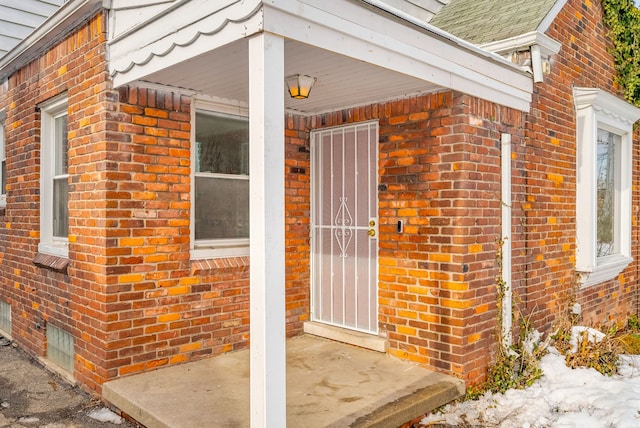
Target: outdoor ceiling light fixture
point(300, 85)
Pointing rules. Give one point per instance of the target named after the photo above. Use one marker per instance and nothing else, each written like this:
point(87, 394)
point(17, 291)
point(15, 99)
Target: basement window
point(60, 348)
point(603, 201)
point(5, 318)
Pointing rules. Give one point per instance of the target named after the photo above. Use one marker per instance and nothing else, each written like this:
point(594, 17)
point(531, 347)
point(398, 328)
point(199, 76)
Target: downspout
point(536, 64)
point(506, 239)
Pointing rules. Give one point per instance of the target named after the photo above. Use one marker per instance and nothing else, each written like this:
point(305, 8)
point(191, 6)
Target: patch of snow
point(593, 336)
point(531, 342)
point(563, 397)
point(105, 415)
point(28, 420)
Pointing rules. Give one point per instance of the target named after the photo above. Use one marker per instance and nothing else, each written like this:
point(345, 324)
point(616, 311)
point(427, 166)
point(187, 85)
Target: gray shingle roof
point(483, 21)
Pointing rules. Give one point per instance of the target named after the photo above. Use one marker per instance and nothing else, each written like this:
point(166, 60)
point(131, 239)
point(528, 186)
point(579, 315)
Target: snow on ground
point(103, 414)
point(562, 398)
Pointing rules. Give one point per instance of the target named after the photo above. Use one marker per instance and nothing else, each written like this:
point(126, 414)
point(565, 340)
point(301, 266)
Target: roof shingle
point(484, 21)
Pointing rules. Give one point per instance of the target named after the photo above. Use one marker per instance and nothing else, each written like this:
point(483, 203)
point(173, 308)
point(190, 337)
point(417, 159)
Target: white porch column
point(267, 300)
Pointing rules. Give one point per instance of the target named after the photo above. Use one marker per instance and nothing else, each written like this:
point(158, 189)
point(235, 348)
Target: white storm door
point(344, 226)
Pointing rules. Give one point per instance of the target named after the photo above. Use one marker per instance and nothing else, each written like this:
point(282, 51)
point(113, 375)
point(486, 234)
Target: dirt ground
point(31, 396)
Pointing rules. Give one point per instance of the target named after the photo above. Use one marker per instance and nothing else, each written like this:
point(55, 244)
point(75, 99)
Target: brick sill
point(227, 264)
point(48, 261)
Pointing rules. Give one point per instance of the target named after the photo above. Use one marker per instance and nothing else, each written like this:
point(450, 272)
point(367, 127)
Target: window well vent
point(60, 347)
point(5, 318)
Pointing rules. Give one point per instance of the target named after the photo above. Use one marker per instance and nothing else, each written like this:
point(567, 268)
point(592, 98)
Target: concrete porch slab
point(329, 384)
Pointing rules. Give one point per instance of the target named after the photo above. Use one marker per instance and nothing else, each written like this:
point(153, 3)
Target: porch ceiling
point(361, 51)
point(341, 81)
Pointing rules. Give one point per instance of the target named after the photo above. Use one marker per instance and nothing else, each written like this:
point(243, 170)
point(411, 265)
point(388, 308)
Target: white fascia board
point(551, 16)
point(403, 48)
point(379, 4)
point(137, 4)
point(62, 22)
point(196, 32)
point(127, 14)
point(174, 17)
point(414, 9)
point(547, 45)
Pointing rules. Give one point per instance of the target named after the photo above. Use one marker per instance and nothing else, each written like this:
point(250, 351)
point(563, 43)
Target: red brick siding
point(39, 296)
point(439, 171)
point(298, 219)
point(219, 287)
point(546, 260)
point(170, 309)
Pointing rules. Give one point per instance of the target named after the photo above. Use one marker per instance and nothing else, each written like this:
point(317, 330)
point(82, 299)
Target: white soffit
point(341, 81)
point(393, 43)
point(358, 53)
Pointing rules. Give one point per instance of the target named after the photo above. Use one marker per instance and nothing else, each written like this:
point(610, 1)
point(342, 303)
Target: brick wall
point(298, 219)
point(71, 299)
point(546, 241)
point(163, 308)
point(439, 172)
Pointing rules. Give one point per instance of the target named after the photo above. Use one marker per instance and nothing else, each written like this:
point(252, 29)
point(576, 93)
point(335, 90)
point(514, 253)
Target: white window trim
point(218, 248)
point(3, 154)
point(599, 109)
point(48, 243)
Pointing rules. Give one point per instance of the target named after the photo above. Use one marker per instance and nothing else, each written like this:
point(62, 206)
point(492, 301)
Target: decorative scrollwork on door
point(344, 220)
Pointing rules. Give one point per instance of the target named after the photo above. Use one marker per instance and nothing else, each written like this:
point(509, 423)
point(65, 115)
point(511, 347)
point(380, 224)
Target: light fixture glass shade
point(300, 85)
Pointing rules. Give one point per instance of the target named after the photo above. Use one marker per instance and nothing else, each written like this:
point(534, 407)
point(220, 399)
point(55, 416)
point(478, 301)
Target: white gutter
point(506, 240)
point(547, 45)
point(540, 46)
point(551, 15)
point(439, 32)
point(62, 22)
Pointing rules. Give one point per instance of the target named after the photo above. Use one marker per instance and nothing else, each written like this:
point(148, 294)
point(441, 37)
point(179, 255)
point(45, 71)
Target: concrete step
point(329, 384)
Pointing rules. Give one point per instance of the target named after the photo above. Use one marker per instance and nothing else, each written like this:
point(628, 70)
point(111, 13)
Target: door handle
point(372, 227)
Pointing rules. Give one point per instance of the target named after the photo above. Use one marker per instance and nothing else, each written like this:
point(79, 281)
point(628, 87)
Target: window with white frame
point(54, 179)
point(603, 201)
point(3, 163)
point(220, 197)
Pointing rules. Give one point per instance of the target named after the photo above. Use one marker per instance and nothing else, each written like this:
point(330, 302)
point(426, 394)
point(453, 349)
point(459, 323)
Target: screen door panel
point(344, 226)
